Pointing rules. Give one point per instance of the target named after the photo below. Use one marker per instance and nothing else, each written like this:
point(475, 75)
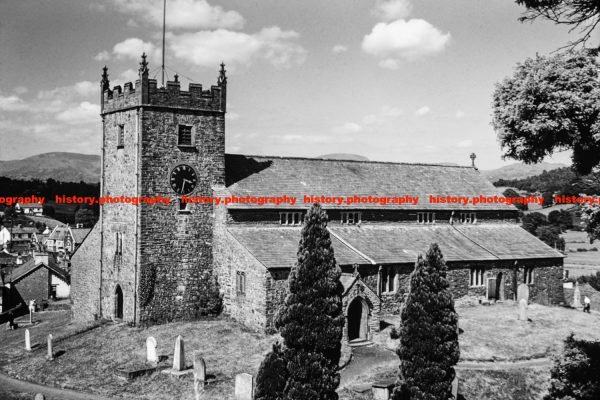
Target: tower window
point(185, 136)
point(476, 278)
point(351, 217)
point(184, 205)
point(121, 137)
point(240, 283)
point(119, 244)
point(388, 280)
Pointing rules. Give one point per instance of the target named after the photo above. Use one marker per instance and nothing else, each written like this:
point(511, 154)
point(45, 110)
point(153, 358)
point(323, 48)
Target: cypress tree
point(428, 348)
point(272, 376)
point(311, 319)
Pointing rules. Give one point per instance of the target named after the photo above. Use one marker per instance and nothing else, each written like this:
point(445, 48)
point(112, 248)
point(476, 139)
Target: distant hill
point(343, 156)
point(65, 167)
point(519, 171)
point(561, 181)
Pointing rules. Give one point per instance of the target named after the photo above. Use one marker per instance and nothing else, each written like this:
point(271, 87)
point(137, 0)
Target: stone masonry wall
point(176, 255)
point(85, 277)
point(119, 220)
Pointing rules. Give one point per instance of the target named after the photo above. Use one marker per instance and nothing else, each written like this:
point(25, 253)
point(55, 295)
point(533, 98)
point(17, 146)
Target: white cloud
point(392, 9)
point(423, 111)
point(133, 48)
point(85, 112)
point(86, 88)
point(339, 48)
point(21, 90)
point(102, 56)
point(12, 103)
point(348, 127)
point(372, 119)
point(404, 40)
point(182, 14)
point(207, 48)
point(465, 143)
point(459, 114)
point(388, 111)
point(128, 75)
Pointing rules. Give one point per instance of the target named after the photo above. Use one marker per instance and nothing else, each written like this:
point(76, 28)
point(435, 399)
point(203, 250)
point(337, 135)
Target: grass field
point(580, 262)
point(90, 360)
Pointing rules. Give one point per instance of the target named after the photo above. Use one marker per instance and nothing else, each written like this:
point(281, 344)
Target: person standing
point(586, 304)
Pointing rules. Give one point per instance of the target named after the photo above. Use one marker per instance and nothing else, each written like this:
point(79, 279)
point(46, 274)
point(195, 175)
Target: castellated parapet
point(147, 93)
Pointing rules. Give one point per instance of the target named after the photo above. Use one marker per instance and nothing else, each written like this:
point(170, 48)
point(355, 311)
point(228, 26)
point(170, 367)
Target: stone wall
point(120, 166)
point(85, 277)
point(176, 279)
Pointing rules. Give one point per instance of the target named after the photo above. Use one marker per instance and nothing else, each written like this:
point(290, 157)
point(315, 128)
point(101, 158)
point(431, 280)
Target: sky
point(396, 80)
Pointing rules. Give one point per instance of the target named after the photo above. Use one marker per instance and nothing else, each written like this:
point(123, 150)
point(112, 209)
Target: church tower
point(156, 259)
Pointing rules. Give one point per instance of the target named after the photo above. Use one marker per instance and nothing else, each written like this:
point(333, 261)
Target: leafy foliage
point(511, 193)
point(583, 14)
point(590, 215)
point(592, 280)
point(551, 104)
point(311, 320)
point(550, 234)
point(85, 216)
point(576, 373)
point(272, 376)
point(428, 348)
point(562, 181)
point(532, 221)
point(561, 218)
point(548, 199)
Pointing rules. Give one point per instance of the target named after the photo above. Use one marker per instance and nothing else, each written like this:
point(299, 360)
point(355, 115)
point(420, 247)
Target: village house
point(65, 239)
point(41, 279)
point(151, 264)
point(29, 208)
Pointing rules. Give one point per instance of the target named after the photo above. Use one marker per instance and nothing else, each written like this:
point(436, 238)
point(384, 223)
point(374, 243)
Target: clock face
point(183, 179)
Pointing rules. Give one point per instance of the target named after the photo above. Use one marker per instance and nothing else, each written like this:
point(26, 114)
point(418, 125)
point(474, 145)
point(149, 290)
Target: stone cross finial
point(473, 157)
point(222, 77)
point(176, 78)
point(144, 64)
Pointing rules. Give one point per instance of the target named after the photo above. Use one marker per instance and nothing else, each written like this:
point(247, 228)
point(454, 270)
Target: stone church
point(150, 264)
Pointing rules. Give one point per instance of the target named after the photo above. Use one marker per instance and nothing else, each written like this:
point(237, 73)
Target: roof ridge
point(352, 161)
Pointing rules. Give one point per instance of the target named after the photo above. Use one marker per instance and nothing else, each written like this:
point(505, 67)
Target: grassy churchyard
point(501, 357)
point(582, 258)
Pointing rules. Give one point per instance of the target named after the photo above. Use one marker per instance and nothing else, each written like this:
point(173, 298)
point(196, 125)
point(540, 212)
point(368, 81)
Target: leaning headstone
point(523, 293)
point(27, 340)
point(151, 354)
point(244, 387)
point(199, 374)
point(577, 296)
point(50, 355)
point(523, 310)
point(39, 396)
point(179, 356)
point(382, 390)
point(455, 387)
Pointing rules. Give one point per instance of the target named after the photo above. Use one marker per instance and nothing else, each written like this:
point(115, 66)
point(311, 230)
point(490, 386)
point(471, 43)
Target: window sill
point(389, 293)
point(186, 146)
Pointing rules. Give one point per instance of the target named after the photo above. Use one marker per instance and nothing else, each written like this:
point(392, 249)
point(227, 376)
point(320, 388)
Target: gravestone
point(50, 355)
point(491, 289)
point(40, 396)
point(523, 293)
point(523, 310)
point(577, 296)
point(199, 373)
point(151, 354)
point(179, 356)
point(244, 387)
point(27, 340)
point(455, 387)
point(542, 298)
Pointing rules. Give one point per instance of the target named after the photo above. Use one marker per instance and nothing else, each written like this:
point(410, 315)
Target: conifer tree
point(311, 319)
point(428, 348)
point(272, 376)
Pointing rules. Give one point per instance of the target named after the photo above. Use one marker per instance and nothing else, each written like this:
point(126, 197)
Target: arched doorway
point(118, 303)
point(358, 319)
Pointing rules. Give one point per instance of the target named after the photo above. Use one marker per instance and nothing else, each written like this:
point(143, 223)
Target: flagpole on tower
point(163, 41)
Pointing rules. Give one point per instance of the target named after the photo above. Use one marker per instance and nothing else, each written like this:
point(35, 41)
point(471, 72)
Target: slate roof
point(278, 176)
point(30, 266)
point(276, 247)
point(79, 234)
